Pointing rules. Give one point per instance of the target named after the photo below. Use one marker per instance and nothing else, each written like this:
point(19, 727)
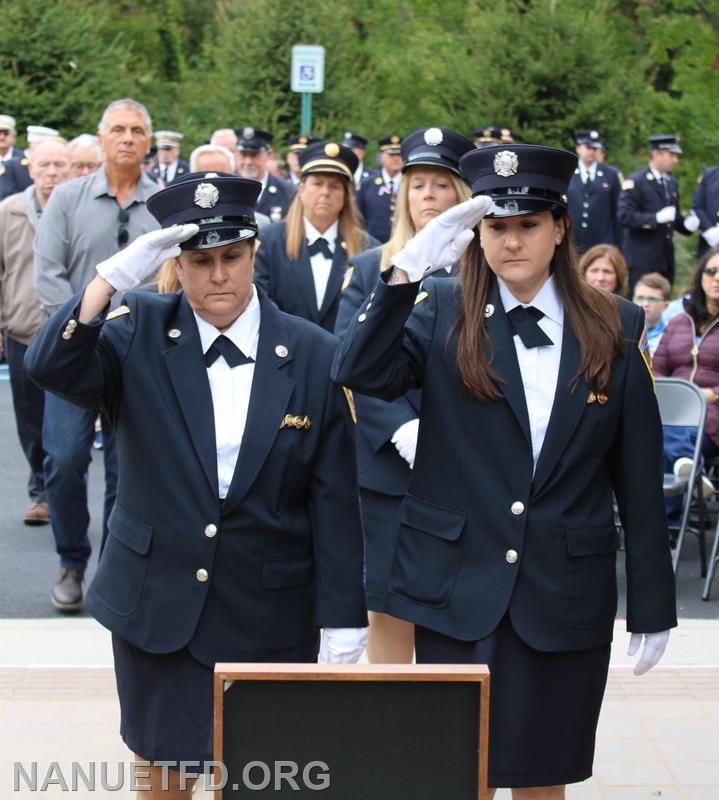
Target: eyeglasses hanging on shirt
point(123, 217)
point(222, 346)
point(524, 322)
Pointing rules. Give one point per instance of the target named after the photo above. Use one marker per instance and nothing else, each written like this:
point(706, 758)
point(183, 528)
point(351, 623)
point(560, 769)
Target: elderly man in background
point(22, 314)
point(86, 221)
point(7, 139)
point(14, 175)
point(85, 155)
point(226, 137)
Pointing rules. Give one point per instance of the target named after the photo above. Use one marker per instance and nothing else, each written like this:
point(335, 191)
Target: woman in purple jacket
point(689, 349)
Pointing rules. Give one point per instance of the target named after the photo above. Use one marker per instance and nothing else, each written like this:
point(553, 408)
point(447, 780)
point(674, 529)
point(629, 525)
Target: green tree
point(60, 63)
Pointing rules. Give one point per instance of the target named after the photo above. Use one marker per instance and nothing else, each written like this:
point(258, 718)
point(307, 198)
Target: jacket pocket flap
point(283, 574)
point(445, 523)
point(592, 541)
point(132, 532)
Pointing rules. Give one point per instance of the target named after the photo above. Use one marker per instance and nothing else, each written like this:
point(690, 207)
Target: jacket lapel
point(336, 277)
point(186, 367)
point(271, 391)
point(302, 270)
point(505, 362)
point(567, 409)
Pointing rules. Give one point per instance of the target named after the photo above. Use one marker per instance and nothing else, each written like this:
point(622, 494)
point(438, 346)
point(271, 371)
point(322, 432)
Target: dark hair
point(696, 304)
point(592, 313)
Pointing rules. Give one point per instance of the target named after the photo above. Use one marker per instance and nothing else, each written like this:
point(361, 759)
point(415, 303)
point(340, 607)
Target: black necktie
point(222, 346)
point(320, 246)
point(664, 183)
point(524, 323)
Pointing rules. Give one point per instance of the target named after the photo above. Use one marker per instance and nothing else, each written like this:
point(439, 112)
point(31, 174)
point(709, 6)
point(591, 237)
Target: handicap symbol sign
point(307, 72)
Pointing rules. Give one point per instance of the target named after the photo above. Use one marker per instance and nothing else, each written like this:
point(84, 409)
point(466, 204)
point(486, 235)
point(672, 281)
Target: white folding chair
point(682, 404)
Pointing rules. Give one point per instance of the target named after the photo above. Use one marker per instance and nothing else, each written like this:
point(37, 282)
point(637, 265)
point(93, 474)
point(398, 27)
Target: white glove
point(712, 236)
point(342, 645)
point(654, 646)
point(691, 221)
point(405, 440)
point(141, 259)
point(442, 240)
point(666, 214)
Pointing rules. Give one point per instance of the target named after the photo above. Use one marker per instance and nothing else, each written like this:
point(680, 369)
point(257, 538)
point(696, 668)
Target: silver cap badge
point(206, 195)
point(506, 164)
point(433, 136)
point(248, 133)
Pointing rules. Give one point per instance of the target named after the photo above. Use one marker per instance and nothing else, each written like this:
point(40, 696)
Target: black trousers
point(29, 404)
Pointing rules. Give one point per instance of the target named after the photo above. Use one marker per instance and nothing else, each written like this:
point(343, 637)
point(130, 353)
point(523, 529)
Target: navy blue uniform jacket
point(287, 554)
point(705, 202)
point(377, 205)
point(291, 283)
point(593, 208)
point(648, 246)
point(183, 168)
point(276, 198)
point(473, 496)
point(381, 467)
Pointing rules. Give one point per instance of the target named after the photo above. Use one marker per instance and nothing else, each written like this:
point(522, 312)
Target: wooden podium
point(355, 732)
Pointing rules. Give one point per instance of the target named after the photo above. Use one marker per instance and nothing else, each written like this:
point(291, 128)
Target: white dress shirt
point(389, 182)
point(587, 172)
point(321, 266)
point(168, 172)
point(231, 388)
point(539, 366)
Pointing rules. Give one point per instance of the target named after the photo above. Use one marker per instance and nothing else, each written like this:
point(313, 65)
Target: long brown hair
point(593, 315)
point(348, 228)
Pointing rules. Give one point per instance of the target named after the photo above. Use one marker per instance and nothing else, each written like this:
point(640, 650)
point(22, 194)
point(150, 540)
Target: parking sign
point(308, 68)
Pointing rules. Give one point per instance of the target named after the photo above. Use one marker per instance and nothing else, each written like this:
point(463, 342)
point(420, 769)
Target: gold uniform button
point(211, 530)
point(517, 508)
point(201, 575)
point(362, 318)
point(511, 556)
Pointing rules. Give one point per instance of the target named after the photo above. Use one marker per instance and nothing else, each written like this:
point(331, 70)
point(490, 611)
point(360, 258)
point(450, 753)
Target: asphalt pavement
point(30, 565)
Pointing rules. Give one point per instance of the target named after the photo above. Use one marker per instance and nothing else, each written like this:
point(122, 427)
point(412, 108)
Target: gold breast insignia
point(293, 421)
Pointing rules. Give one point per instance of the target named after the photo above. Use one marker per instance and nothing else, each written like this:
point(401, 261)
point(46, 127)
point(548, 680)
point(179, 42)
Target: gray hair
point(223, 131)
point(129, 103)
point(211, 148)
point(33, 146)
point(87, 140)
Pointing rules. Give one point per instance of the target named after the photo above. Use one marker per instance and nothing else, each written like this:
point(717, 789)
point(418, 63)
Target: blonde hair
point(348, 228)
point(168, 281)
point(403, 228)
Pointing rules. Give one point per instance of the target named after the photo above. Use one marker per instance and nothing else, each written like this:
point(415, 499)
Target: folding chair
point(713, 464)
point(682, 404)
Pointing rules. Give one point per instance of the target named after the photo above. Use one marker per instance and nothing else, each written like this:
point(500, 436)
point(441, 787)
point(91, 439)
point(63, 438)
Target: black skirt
point(165, 704)
point(381, 529)
point(544, 707)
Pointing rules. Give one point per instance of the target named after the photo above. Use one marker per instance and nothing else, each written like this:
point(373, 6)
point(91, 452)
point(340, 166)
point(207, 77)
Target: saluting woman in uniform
point(301, 261)
point(224, 544)
point(537, 406)
point(387, 432)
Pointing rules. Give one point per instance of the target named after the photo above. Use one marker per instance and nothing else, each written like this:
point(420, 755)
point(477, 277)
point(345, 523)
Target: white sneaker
point(683, 468)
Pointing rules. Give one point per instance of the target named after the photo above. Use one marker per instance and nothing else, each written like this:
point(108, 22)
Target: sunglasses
point(123, 217)
point(648, 298)
point(711, 271)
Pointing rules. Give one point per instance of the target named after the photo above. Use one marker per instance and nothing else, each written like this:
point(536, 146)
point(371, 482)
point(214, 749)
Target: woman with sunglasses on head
point(537, 408)
point(689, 349)
point(387, 432)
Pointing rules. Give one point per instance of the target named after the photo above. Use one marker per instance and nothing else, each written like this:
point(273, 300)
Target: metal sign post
point(308, 78)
